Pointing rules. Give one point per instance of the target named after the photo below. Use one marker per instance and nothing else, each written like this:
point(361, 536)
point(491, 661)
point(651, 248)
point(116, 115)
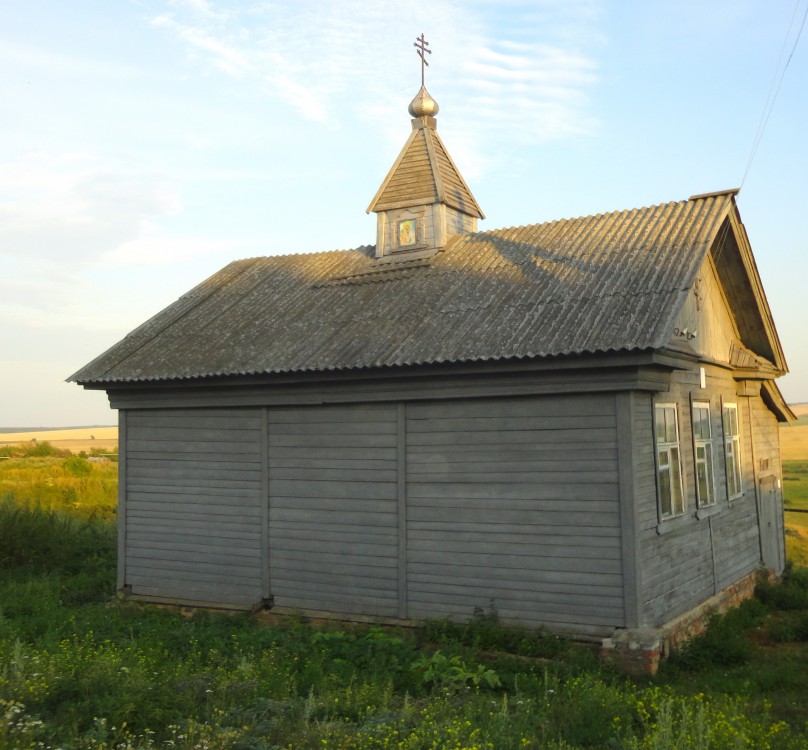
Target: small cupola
point(424, 200)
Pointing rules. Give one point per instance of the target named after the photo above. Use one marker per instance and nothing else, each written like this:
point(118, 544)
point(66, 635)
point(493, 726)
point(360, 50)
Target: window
point(703, 451)
point(669, 469)
point(732, 450)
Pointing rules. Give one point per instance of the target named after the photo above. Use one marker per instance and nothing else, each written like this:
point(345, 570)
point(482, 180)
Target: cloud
point(69, 209)
point(332, 61)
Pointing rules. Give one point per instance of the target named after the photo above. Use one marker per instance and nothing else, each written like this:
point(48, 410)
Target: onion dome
point(423, 105)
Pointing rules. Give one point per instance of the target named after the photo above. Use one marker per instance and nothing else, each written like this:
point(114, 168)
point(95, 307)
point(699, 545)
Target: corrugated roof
point(594, 284)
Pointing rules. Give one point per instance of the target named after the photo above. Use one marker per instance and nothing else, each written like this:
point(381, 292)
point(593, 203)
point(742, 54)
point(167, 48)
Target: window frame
point(670, 448)
point(733, 466)
point(706, 445)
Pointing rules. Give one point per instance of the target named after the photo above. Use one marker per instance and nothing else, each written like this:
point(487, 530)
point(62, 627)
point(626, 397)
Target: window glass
point(732, 450)
point(703, 453)
point(669, 469)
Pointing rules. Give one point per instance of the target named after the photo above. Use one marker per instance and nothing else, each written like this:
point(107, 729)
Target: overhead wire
point(774, 88)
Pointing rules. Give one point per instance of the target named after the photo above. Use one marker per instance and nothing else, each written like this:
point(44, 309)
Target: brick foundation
point(639, 651)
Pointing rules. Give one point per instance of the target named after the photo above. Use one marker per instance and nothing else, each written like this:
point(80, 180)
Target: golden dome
point(423, 105)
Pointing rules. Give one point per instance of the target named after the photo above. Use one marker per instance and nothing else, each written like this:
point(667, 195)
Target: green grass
point(795, 492)
point(80, 668)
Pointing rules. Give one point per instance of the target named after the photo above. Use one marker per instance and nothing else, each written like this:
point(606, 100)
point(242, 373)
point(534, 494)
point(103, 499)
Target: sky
point(144, 144)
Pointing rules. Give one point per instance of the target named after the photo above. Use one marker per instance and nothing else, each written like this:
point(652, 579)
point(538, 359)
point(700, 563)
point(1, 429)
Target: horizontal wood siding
point(514, 502)
point(687, 560)
point(333, 523)
point(193, 500)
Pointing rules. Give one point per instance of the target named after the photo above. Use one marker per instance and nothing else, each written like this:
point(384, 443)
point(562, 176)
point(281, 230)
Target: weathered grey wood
point(557, 524)
point(632, 585)
point(122, 497)
point(266, 587)
point(188, 508)
point(514, 534)
point(335, 508)
point(401, 482)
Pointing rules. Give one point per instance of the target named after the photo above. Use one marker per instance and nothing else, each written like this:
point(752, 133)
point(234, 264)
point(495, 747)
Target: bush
point(788, 595)
point(33, 450)
point(49, 540)
point(724, 643)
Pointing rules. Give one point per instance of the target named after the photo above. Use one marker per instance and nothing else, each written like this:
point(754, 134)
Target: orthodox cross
point(421, 45)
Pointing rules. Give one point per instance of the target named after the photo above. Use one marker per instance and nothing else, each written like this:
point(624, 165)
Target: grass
point(795, 491)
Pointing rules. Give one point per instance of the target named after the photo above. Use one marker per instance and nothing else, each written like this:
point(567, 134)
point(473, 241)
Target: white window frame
point(703, 454)
point(669, 462)
point(732, 449)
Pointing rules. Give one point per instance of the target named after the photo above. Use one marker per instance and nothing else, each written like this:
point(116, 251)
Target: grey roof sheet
point(593, 284)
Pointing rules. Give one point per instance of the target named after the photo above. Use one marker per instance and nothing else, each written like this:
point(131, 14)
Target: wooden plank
point(526, 466)
point(515, 562)
point(282, 454)
point(296, 569)
point(324, 464)
point(266, 588)
point(401, 468)
point(334, 532)
point(593, 455)
point(508, 582)
point(630, 553)
point(181, 460)
point(242, 447)
point(536, 437)
point(533, 553)
point(358, 518)
point(152, 570)
point(147, 433)
point(192, 421)
point(228, 557)
point(499, 424)
point(557, 524)
point(145, 472)
point(332, 491)
point(452, 475)
point(333, 560)
point(188, 485)
point(211, 535)
point(186, 508)
point(234, 495)
point(345, 474)
point(381, 549)
point(560, 406)
point(537, 534)
point(319, 415)
point(513, 497)
point(495, 514)
point(123, 485)
point(480, 571)
point(321, 441)
point(234, 526)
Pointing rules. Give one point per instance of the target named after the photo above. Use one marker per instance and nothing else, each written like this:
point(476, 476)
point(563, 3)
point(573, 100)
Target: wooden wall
point(192, 502)
point(396, 510)
point(516, 503)
point(688, 559)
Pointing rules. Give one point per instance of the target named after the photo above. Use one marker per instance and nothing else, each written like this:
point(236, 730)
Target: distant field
point(78, 439)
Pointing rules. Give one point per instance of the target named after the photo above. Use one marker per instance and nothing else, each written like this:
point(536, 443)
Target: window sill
point(710, 510)
point(673, 524)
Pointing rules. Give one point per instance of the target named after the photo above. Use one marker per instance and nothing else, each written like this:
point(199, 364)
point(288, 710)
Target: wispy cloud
point(330, 61)
point(68, 209)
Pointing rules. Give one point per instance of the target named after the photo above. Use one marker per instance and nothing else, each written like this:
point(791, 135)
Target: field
point(75, 439)
point(794, 447)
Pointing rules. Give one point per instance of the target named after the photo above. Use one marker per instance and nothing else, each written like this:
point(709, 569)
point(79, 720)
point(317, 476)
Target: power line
point(774, 88)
